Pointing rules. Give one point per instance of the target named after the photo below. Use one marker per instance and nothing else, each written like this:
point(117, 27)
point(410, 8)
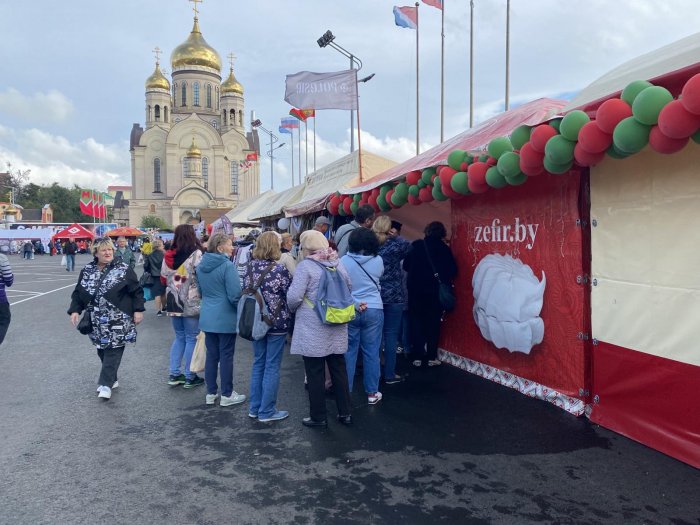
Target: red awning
point(74, 231)
point(532, 113)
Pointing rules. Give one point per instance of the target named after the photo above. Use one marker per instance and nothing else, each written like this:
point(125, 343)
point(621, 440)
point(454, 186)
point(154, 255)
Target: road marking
point(42, 294)
point(15, 290)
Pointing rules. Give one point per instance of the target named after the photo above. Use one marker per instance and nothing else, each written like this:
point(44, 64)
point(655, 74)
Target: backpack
point(254, 319)
point(334, 303)
point(181, 292)
point(242, 259)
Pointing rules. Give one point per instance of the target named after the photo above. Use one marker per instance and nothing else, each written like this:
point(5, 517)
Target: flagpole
point(507, 54)
point(417, 88)
point(358, 127)
point(359, 139)
point(306, 145)
point(471, 64)
point(442, 78)
point(291, 132)
point(299, 145)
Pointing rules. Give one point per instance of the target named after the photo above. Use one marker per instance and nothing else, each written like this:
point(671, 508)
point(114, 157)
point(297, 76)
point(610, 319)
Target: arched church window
point(224, 118)
point(232, 118)
point(234, 177)
point(174, 89)
point(209, 96)
point(185, 168)
point(205, 172)
point(156, 175)
point(195, 90)
point(184, 94)
point(150, 115)
point(157, 113)
point(152, 208)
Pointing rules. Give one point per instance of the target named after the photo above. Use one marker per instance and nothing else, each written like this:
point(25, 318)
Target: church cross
point(157, 51)
point(231, 57)
point(195, 2)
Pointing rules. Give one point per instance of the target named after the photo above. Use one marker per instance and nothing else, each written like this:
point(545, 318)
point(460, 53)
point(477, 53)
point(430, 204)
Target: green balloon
point(495, 179)
point(633, 89)
point(455, 159)
point(382, 203)
point(509, 164)
point(572, 123)
point(437, 182)
point(397, 200)
point(422, 184)
point(357, 198)
point(648, 104)
point(615, 153)
point(630, 136)
point(483, 158)
point(469, 158)
point(558, 169)
point(499, 146)
point(520, 136)
point(517, 180)
point(341, 210)
point(384, 189)
point(459, 183)
point(414, 190)
point(427, 175)
point(696, 137)
point(559, 150)
point(353, 207)
point(555, 123)
point(438, 195)
point(401, 190)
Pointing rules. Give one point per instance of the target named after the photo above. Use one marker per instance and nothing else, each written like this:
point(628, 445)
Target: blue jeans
point(220, 349)
point(393, 313)
point(70, 262)
point(186, 332)
point(365, 332)
point(265, 376)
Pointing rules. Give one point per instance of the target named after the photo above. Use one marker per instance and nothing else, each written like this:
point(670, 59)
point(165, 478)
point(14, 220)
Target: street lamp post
point(257, 124)
point(327, 39)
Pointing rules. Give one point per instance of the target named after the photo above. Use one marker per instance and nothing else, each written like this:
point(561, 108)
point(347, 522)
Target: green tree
point(153, 221)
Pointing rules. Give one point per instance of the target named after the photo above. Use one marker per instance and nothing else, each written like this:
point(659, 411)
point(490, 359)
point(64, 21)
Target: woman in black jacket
point(110, 292)
point(424, 308)
point(152, 263)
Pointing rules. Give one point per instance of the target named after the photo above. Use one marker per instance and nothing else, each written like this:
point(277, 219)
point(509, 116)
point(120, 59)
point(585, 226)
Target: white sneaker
point(211, 398)
point(99, 389)
point(115, 385)
point(105, 393)
point(374, 398)
point(233, 399)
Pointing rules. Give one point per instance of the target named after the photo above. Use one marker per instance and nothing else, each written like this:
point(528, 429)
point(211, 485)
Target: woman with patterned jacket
point(273, 278)
point(110, 292)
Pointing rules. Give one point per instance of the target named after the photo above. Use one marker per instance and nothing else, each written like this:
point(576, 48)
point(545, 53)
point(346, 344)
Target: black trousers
point(111, 359)
point(316, 380)
point(5, 317)
point(424, 318)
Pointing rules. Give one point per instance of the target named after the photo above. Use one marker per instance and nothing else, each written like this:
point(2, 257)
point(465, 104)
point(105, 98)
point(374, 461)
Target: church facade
point(193, 152)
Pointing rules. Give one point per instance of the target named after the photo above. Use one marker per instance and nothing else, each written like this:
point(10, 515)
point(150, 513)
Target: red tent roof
point(75, 231)
point(532, 113)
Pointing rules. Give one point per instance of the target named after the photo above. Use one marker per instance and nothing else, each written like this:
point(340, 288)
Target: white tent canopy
point(241, 213)
point(274, 205)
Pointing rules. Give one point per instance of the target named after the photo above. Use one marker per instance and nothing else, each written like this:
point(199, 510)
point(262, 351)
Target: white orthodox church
point(191, 155)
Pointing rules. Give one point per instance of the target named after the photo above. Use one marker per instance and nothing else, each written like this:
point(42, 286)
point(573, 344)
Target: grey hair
point(215, 241)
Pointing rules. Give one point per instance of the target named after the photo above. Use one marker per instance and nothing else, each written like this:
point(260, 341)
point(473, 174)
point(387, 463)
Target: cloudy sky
point(73, 72)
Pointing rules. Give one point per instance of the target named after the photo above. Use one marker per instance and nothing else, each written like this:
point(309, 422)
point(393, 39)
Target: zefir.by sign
point(497, 232)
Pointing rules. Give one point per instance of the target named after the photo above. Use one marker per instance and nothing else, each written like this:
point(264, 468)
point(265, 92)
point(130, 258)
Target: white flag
point(309, 90)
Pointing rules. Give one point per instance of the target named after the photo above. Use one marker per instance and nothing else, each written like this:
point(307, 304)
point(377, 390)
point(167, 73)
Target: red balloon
point(610, 113)
point(372, 201)
point(388, 197)
point(586, 158)
point(691, 95)
point(464, 166)
point(663, 144)
point(426, 194)
point(676, 122)
point(347, 201)
point(532, 171)
point(447, 171)
point(477, 174)
point(530, 158)
point(592, 139)
point(475, 187)
point(491, 162)
point(412, 177)
point(446, 183)
point(414, 200)
point(438, 169)
point(362, 202)
point(540, 135)
point(375, 192)
point(365, 195)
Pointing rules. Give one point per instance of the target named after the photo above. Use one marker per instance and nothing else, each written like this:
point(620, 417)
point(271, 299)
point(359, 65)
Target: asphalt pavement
point(443, 447)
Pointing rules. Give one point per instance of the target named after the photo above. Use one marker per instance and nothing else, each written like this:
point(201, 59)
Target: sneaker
point(252, 416)
point(177, 380)
point(375, 398)
point(280, 414)
point(211, 399)
point(396, 379)
point(233, 399)
point(417, 363)
point(399, 349)
point(115, 385)
point(99, 389)
point(195, 381)
point(434, 362)
point(160, 313)
point(105, 393)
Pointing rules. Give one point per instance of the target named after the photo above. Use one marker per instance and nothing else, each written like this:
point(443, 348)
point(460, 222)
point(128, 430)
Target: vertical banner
point(521, 297)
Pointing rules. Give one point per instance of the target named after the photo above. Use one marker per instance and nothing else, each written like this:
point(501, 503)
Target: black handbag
point(446, 291)
point(146, 280)
point(85, 323)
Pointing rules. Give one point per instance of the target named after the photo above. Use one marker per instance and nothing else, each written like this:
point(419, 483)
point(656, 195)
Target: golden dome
point(194, 150)
point(195, 52)
point(11, 210)
point(231, 85)
point(157, 80)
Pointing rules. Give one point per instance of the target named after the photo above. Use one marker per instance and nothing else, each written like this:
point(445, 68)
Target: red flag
point(86, 204)
point(434, 3)
point(302, 114)
point(251, 156)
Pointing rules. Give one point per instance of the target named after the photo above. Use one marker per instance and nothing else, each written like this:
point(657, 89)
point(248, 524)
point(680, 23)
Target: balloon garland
point(643, 114)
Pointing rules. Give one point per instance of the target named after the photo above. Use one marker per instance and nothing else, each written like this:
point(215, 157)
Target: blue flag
point(285, 130)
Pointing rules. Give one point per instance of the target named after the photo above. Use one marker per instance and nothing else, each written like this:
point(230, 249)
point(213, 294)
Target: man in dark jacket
point(364, 217)
point(70, 249)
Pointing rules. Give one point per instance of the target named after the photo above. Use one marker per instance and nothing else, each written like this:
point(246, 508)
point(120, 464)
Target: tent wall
point(646, 301)
point(544, 234)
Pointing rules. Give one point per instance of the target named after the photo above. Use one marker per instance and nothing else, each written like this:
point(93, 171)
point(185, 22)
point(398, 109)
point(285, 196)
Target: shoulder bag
point(446, 291)
point(85, 324)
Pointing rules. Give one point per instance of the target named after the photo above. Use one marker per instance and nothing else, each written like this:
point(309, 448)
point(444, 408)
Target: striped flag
point(285, 130)
point(86, 202)
point(302, 114)
point(434, 3)
point(406, 17)
point(289, 122)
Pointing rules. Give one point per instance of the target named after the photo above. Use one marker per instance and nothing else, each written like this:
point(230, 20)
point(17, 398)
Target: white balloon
point(283, 223)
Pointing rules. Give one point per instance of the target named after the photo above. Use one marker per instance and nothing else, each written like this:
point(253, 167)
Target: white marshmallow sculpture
point(507, 303)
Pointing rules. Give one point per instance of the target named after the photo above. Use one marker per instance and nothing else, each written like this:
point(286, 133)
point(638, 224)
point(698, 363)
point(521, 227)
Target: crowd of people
point(392, 286)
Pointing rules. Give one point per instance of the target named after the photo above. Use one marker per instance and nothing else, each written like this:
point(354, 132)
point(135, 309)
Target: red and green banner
point(86, 203)
point(302, 114)
point(93, 203)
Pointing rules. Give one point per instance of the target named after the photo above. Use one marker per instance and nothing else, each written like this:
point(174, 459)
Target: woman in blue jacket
point(220, 288)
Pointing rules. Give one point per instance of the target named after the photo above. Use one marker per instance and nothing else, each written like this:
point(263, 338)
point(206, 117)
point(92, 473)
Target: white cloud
point(52, 106)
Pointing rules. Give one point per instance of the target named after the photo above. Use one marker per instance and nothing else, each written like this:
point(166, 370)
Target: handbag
point(85, 323)
point(446, 291)
point(146, 280)
point(199, 355)
point(64, 261)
